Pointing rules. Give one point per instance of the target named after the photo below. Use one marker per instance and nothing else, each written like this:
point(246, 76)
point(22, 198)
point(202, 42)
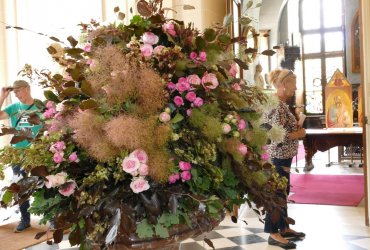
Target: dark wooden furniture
point(325, 139)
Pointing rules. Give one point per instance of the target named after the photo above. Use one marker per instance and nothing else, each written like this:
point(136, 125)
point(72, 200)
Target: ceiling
point(270, 13)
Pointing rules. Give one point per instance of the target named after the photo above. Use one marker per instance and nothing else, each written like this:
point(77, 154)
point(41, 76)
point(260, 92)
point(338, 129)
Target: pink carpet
point(339, 190)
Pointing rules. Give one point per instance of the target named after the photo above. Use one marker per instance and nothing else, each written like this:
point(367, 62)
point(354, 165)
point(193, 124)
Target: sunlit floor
point(326, 227)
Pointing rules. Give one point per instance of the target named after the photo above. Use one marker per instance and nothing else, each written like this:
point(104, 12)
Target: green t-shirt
point(15, 111)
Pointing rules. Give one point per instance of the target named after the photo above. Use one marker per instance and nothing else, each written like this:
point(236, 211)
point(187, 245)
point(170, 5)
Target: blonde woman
point(282, 153)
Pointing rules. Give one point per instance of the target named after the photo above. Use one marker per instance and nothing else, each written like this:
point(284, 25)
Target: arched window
point(321, 24)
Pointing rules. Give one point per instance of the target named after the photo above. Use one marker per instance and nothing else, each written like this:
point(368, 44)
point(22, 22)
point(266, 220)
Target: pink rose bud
point(243, 149)
point(242, 124)
point(130, 164)
point(193, 55)
point(141, 155)
point(73, 157)
point(178, 101)
point(198, 102)
point(186, 175)
point(182, 86)
point(139, 185)
point(202, 56)
point(146, 50)
point(226, 128)
point(150, 38)
point(191, 96)
point(58, 157)
point(68, 188)
point(171, 86)
point(183, 165)
point(164, 117)
point(265, 156)
point(173, 178)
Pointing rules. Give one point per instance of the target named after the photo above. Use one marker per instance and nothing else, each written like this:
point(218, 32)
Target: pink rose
point(164, 117)
point(49, 182)
point(60, 179)
point(58, 157)
point(202, 56)
point(236, 87)
point(185, 175)
point(158, 49)
point(198, 102)
point(171, 86)
point(150, 38)
point(209, 81)
point(143, 169)
point(188, 112)
point(191, 96)
point(242, 124)
point(140, 155)
point(130, 164)
point(193, 55)
point(193, 79)
point(139, 185)
point(68, 188)
point(233, 70)
point(87, 47)
point(73, 157)
point(50, 105)
point(146, 50)
point(243, 149)
point(173, 178)
point(178, 101)
point(182, 86)
point(226, 128)
point(183, 165)
point(265, 156)
point(169, 28)
point(59, 146)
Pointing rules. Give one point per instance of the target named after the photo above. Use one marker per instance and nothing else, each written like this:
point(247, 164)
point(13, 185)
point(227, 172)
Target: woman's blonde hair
point(278, 76)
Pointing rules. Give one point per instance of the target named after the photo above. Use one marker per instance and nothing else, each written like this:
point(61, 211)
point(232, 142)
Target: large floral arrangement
point(147, 128)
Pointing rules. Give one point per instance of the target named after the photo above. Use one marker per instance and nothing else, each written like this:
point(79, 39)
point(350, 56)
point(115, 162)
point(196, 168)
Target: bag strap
point(19, 119)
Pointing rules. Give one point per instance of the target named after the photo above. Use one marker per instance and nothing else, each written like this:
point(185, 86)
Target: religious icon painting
point(338, 102)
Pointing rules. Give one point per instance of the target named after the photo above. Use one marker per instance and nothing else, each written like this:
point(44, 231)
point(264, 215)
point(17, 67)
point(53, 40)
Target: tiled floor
point(326, 227)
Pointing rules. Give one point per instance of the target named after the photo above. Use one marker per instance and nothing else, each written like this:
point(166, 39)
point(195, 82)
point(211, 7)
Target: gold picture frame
point(355, 44)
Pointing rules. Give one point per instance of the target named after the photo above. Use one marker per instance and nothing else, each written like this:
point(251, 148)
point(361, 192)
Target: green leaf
point(169, 219)
point(144, 229)
point(227, 20)
point(49, 95)
point(258, 5)
point(210, 35)
point(200, 43)
point(178, 118)
point(116, 9)
point(86, 88)
point(72, 41)
point(161, 231)
point(70, 91)
point(121, 16)
point(75, 52)
point(268, 52)
point(245, 20)
point(88, 104)
point(224, 38)
point(188, 7)
point(7, 197)
point(249, 4)
point(51, 50)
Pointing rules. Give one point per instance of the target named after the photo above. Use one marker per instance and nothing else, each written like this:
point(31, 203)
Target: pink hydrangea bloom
point(191, 96)
point(139, 185)
point(146, 50)
point(150, 38)
point(198, 102)
point(68, 188)
point(49, 113)
point(130, 164)
point(183, 165)
point(243, 149)
point(185, 175)
point(164, 117)
point(50, 105)
point(178, 101)
point(141, 155)
point(209, 81)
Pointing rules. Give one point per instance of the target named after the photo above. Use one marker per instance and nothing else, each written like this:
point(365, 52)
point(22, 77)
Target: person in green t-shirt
point(18, 115)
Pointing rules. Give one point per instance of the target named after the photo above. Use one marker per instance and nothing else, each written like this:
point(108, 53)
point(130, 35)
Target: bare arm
point(4, 94)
